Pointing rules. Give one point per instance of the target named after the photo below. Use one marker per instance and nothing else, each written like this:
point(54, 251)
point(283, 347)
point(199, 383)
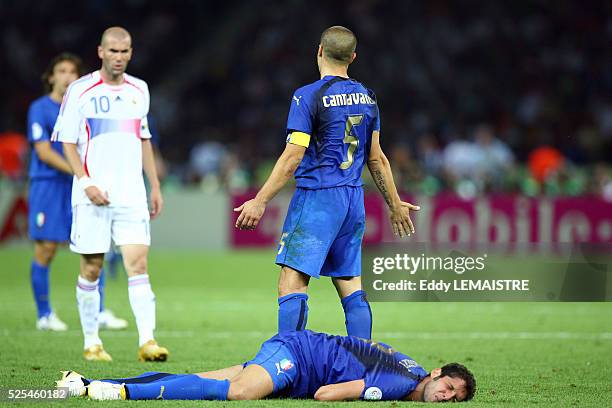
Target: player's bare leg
point(135, 259)
point(356, 307)
point(292, 300)
point(88, 300)
point(292, 281)
point(223, 374)
point(142, 300)
point(91, 265)
point(347, 286)
point(44, 252)
point(252, 383)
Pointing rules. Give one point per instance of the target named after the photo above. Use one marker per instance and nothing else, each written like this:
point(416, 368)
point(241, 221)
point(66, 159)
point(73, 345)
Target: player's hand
point(250, 213)
point(96, 196)
point(400, 219)
point(157, 202)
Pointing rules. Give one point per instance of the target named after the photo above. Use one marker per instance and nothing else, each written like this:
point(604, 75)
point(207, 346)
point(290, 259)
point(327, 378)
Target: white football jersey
point(107, 123)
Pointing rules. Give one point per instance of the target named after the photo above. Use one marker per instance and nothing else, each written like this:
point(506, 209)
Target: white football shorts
point(93, 227)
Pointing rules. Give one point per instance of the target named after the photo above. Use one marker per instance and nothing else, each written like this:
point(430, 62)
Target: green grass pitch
point(215, 309)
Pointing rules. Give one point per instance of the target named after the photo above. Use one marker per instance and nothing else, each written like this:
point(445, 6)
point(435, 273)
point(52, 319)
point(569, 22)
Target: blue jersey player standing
point(333, 129)
point(50, 213)
point(50, 184)
point(298, 364)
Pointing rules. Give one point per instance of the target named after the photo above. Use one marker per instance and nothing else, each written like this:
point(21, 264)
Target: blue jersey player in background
point(49, 208)
point(298, 364)
point(333, 129)
point(50, 184)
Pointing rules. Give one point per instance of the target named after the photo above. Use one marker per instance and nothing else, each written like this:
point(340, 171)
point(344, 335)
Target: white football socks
point(142, 300)
point(88, 301)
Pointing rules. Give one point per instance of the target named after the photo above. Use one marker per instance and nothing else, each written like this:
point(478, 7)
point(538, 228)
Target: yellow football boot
point(151, 351)
point(96, 353)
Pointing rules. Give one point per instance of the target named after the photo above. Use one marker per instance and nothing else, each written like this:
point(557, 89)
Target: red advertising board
point(500, 220)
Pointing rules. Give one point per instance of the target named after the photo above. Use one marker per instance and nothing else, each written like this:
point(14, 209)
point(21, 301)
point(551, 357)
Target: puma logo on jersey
point(297, 100)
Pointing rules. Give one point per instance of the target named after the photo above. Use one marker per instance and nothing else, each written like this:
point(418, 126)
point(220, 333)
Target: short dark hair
point(65, 56)
point(456, 370)
point(339, 44)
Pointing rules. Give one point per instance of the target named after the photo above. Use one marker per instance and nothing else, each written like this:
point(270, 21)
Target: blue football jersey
point(325, 359)
point(41, 120)
point(334, 119)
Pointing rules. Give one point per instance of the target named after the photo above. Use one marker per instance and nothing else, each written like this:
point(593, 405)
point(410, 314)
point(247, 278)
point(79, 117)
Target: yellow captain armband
point(299, 138)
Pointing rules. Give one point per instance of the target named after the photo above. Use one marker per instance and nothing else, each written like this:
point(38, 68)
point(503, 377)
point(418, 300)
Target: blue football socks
point(39, 277)
point(154, 385)
point(292, 312)
point(358, 315)
point(148, 377)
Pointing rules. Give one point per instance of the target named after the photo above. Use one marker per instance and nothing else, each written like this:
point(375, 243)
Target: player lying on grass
point(298, 364)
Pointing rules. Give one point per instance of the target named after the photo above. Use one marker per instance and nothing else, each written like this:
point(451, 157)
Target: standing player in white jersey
point(103, 127)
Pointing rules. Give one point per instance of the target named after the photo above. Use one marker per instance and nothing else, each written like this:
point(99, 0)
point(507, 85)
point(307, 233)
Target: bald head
point(115, 34)
point(338, 44)
point(115, 51)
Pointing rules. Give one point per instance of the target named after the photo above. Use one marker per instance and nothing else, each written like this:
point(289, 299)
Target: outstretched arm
point(252, 210)
point(380, 168)
point(346, 391)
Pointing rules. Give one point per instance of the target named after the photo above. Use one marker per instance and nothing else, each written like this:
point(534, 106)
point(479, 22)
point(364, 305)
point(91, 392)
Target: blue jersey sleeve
point(387, 386)
point(38, 131)
point(301, 113)
point(393, 378)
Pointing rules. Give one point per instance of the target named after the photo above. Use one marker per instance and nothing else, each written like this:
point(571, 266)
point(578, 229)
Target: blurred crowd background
point(475, 97)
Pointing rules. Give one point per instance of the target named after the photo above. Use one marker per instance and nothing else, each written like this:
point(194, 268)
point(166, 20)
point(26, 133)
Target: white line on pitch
point(560, 335)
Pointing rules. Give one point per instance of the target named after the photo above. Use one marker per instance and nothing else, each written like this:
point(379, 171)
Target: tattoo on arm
point(380, 181)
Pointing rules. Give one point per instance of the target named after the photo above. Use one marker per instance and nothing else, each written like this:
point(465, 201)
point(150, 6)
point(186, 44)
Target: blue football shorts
point(49, 210)
point(323, 231)
point(278, 361)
